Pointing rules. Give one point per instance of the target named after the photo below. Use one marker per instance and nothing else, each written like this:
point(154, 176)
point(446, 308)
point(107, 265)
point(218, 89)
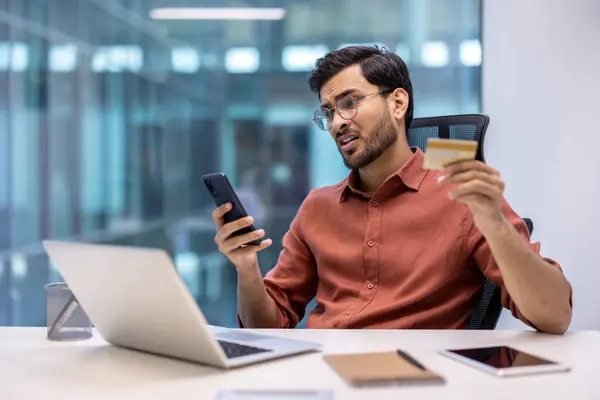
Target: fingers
point(247, 250)
point(235, 242)
point(463, 166)
point(479, 187)
point(473, 178)
point(476, 187)
point(225, 230)
point(232, 227)
point(228, 242)
point(474, 200)
point(218, 214)
point(473, 175)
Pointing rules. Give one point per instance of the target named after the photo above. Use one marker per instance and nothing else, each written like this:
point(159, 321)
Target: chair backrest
point(465, 127)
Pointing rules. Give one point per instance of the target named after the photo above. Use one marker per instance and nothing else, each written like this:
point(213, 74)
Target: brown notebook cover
point(381, 368)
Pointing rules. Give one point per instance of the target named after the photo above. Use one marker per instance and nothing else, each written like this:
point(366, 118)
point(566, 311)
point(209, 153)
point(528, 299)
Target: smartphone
point(222, 192)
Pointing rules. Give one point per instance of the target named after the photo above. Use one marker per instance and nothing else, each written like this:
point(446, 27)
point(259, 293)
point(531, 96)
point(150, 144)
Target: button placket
point(371, 260)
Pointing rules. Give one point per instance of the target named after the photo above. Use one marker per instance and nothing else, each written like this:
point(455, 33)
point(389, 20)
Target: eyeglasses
point(346, 107)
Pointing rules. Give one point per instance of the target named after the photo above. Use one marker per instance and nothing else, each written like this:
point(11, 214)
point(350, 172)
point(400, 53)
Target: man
point(393, 245)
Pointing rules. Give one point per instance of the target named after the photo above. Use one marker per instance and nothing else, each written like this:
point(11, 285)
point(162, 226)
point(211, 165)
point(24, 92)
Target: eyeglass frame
point(336, 109)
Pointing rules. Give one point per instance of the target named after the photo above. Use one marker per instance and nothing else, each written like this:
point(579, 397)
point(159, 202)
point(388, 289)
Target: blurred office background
point(112, 110)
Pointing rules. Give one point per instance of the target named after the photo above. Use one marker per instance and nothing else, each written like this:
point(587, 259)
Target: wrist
point(248, 272)
point(495, 227)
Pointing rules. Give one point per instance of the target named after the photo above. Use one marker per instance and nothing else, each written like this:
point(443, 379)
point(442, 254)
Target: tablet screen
point(502, 357)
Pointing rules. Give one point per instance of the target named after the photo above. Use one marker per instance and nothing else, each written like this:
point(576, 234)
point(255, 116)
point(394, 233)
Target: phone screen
point(502, 357)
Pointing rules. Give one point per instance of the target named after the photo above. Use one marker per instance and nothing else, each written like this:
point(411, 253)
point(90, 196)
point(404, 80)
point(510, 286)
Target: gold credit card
point(441, 152)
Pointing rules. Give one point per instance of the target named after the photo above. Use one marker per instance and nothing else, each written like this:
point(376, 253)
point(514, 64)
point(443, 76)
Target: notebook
point(372, 369)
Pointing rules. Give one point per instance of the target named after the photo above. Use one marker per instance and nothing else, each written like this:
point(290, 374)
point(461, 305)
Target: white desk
point(32, 367)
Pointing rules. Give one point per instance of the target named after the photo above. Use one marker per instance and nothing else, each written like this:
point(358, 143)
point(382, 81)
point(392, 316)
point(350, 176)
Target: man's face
point(362, 139)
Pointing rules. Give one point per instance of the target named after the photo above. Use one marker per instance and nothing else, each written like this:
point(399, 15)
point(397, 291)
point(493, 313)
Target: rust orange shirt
point(405, 257)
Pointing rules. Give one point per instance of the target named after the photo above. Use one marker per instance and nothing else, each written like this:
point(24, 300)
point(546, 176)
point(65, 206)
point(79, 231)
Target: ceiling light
point(14, 56)
point(470, 53)
point(185, 59)
point(62, 58)
point(434, 54)
point(224, 13)
point(302, 58)
point(242, 60)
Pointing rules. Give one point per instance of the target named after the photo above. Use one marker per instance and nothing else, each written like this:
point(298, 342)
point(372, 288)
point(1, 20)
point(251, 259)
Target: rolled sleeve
point(292, 283)
point(282, 321)
point(484, 259)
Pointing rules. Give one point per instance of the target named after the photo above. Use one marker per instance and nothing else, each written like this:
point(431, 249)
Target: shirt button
point(370, 243)
point(375, 203)
point(370, 286)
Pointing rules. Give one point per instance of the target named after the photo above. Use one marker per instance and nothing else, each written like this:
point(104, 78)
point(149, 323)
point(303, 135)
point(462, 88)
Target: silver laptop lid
point(136, 299)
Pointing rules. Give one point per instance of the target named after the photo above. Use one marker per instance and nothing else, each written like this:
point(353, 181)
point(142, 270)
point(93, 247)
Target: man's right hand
point(243, 257)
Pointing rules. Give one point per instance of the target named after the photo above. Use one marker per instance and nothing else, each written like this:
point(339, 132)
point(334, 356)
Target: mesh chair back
point(464, 127)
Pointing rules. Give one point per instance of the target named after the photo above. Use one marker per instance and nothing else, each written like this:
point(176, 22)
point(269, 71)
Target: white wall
point(541, 89)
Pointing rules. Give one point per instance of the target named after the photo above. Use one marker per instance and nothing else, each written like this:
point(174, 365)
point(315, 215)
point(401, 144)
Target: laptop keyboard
point(233, 350)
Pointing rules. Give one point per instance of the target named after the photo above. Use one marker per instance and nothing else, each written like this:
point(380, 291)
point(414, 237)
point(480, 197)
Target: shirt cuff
point(283, 321)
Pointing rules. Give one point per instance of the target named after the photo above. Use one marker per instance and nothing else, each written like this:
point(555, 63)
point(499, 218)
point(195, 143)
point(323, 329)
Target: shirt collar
point(411, 174)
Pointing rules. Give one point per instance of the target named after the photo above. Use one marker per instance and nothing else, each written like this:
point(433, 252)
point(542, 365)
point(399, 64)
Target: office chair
point(465, 127)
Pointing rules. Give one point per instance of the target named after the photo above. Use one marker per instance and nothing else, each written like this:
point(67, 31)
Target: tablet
point(505, 361)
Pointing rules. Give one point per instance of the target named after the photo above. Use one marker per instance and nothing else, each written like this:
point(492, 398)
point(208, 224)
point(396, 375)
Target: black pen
point(411, 360)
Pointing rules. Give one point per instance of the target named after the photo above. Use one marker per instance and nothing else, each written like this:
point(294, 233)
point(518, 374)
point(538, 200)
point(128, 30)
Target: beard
point(381, 137)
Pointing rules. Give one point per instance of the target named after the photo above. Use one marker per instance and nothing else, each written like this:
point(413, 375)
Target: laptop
point(136, 299)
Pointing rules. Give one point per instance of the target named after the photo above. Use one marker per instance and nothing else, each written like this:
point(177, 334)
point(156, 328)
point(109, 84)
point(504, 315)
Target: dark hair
point(379, 67)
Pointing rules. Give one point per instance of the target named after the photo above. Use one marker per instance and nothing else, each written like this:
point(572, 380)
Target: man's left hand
point(480, 187)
